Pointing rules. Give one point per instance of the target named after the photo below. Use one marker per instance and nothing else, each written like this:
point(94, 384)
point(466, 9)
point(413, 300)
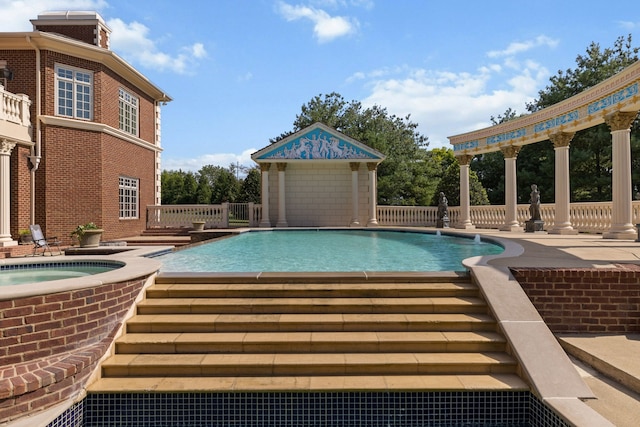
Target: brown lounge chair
point(39, 241)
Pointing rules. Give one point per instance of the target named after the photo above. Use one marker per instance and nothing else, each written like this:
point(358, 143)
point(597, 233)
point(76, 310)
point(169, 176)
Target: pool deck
point(604, 362)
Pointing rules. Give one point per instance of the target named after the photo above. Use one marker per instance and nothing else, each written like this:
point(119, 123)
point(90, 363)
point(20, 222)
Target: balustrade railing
point(14, 108)
point(585, 217)
point(225, 215)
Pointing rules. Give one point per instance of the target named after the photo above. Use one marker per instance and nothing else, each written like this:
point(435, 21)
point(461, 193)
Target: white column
point(621, 214)
point(5, 193)
point(562, 220)
point(282, 202)
point(510, 189)
point(264, 169)
point(355, 222)
point(373, 195)
point(464, 221)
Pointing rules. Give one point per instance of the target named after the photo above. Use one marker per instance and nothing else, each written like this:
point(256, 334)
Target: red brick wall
point(77, 180)
point(50, 344)
point(84, 33)
point(584, 300)
point(20, 190)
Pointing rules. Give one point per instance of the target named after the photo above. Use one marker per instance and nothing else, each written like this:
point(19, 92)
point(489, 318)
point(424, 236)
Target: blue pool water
point(329, 250)
point(21, 274)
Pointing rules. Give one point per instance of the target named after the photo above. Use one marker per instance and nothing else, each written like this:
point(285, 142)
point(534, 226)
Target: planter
point(198, 225)
point(91, 238)
point(26, 239)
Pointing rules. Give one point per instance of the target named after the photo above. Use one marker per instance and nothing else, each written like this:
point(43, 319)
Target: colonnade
point(372, 221)
point(6, 147)
point(621, 225)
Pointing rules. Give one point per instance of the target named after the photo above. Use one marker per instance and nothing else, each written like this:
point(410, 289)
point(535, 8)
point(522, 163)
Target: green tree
point(450, 186)
point(250, 190)
point(223, 183)
point(590, 153)
point(403, 177)
point(172, 186)
point(189, 190)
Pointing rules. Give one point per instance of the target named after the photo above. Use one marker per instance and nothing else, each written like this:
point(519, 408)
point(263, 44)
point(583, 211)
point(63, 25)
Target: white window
point(128, 198)
point(128, 112)
point(74, 92)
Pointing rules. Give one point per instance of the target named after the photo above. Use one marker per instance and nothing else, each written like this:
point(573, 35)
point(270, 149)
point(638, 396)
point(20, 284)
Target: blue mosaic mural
point(319, 144)
point(469, 145)
point(506, 136)
point(613, 99)
point(556, 121)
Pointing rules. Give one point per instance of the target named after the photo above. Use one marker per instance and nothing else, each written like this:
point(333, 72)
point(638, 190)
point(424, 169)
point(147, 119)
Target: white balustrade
point(586, 217)
point(173, 216)
point(14, 108)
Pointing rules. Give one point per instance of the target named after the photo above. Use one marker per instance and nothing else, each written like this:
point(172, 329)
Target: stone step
point(313, 290)
point(195, 384)
point(291, 364)
point(288, 332)
point(398, 322)
point(312, 305)
point(310, 342)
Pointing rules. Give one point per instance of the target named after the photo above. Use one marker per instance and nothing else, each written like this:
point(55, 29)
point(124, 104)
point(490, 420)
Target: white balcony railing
point(15, 120)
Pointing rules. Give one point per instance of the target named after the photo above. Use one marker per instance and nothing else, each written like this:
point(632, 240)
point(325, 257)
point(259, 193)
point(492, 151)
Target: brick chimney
point(88, 27)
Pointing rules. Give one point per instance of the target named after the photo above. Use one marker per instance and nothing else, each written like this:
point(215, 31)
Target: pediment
point(318, 142)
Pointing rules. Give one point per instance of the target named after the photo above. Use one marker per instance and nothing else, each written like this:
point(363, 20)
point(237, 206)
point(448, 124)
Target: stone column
point(355, 222)
point(282, 202)
point(264, 169)
point(373, 195)
point(562, 220)
point(510, 189)
point(464, 221)
point(5, 193)
point(621, 214)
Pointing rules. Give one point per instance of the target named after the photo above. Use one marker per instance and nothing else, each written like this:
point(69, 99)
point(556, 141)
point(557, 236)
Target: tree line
point(413, 175)
point(211, 185)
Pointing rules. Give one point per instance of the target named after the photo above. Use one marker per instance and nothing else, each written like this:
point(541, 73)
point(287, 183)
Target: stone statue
point(535, 224)
point(443, 212)
point(534, 207)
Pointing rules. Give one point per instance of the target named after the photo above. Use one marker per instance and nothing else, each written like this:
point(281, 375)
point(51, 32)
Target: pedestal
point(533, 226)
point(442, 223)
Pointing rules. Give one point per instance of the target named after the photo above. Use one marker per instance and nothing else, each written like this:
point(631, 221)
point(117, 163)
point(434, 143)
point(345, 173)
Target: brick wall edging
point(51, 344)
point(585, 300)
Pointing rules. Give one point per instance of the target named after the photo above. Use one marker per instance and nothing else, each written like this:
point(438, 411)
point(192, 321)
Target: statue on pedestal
point(535, 223)
point(443, 212)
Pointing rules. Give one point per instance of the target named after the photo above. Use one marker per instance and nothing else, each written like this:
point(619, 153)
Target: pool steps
point(392, 333)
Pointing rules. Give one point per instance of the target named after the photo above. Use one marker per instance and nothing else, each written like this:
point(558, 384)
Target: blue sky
point(240, 70)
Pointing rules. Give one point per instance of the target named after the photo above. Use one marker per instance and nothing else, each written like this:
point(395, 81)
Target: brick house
point(93, 150)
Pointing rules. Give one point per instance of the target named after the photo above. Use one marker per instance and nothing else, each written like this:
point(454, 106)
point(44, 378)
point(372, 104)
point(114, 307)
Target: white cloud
point(519, 47)
point(445, 103)
point(219, 159)
point(132, 41)
point(628, 25)
point(326, 27)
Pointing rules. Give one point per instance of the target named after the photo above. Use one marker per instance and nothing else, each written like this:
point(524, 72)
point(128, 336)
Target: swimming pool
point(19, 274)
point(329, 250)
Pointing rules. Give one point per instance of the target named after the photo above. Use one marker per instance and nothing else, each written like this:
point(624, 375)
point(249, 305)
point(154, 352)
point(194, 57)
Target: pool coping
point(133, 267)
